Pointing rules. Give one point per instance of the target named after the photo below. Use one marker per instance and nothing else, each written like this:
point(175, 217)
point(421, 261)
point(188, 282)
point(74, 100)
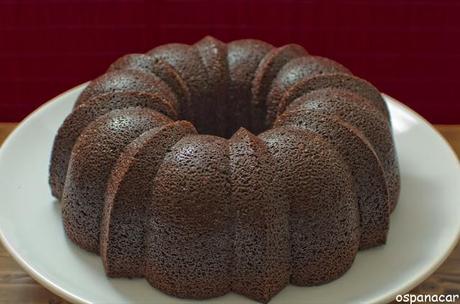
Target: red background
point(408, 49)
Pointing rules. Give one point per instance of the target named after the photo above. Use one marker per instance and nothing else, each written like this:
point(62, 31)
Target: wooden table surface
point(17, 287)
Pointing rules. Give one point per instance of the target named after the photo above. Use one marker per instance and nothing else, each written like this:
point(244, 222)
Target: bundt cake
point(215, 168)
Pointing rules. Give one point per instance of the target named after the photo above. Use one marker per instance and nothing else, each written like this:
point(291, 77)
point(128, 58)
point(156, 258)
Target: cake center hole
point(223, 121)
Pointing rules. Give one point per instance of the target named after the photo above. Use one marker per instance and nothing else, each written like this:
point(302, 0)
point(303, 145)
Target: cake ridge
point(186, 61)
point(294, 71)
point(291, 51)
point(83, 115)
point(157, 67)
point(213, 54)
point(243, 58)
point(129, 188)
point(248, 150)
point(364, 88)
point(266, 72)
point(369, 181)
point(354, 109)
point(116, 81)
point(89, 169)
point(322, 182)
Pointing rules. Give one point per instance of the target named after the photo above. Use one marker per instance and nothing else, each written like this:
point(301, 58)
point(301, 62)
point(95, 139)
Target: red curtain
point(408, 49)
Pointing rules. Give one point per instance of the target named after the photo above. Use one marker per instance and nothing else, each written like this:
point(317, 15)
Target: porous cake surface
point(213, 54)
point(260, 220)
point(128, 197)
point(158, 67)
point(226, 167)
point(91, 162)
point(84, 114)
point(188, 249)
point(323, 212)
point(355, 110)
point(243, 59)
point(127, 80)
point(366, 170)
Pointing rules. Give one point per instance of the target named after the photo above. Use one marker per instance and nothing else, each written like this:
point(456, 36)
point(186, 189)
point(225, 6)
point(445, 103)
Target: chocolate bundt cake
point(215, 168)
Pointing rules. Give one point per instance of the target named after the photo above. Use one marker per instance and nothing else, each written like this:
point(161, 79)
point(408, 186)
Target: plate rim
point(37, 276)
point(69, 296)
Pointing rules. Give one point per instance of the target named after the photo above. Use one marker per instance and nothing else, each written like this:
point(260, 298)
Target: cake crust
point(226, 167)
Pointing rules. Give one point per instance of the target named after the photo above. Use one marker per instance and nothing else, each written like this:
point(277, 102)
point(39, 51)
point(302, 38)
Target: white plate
point(424, 227)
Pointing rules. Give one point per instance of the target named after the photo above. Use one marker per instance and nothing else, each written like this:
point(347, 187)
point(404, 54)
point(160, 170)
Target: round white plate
point(424, 227)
